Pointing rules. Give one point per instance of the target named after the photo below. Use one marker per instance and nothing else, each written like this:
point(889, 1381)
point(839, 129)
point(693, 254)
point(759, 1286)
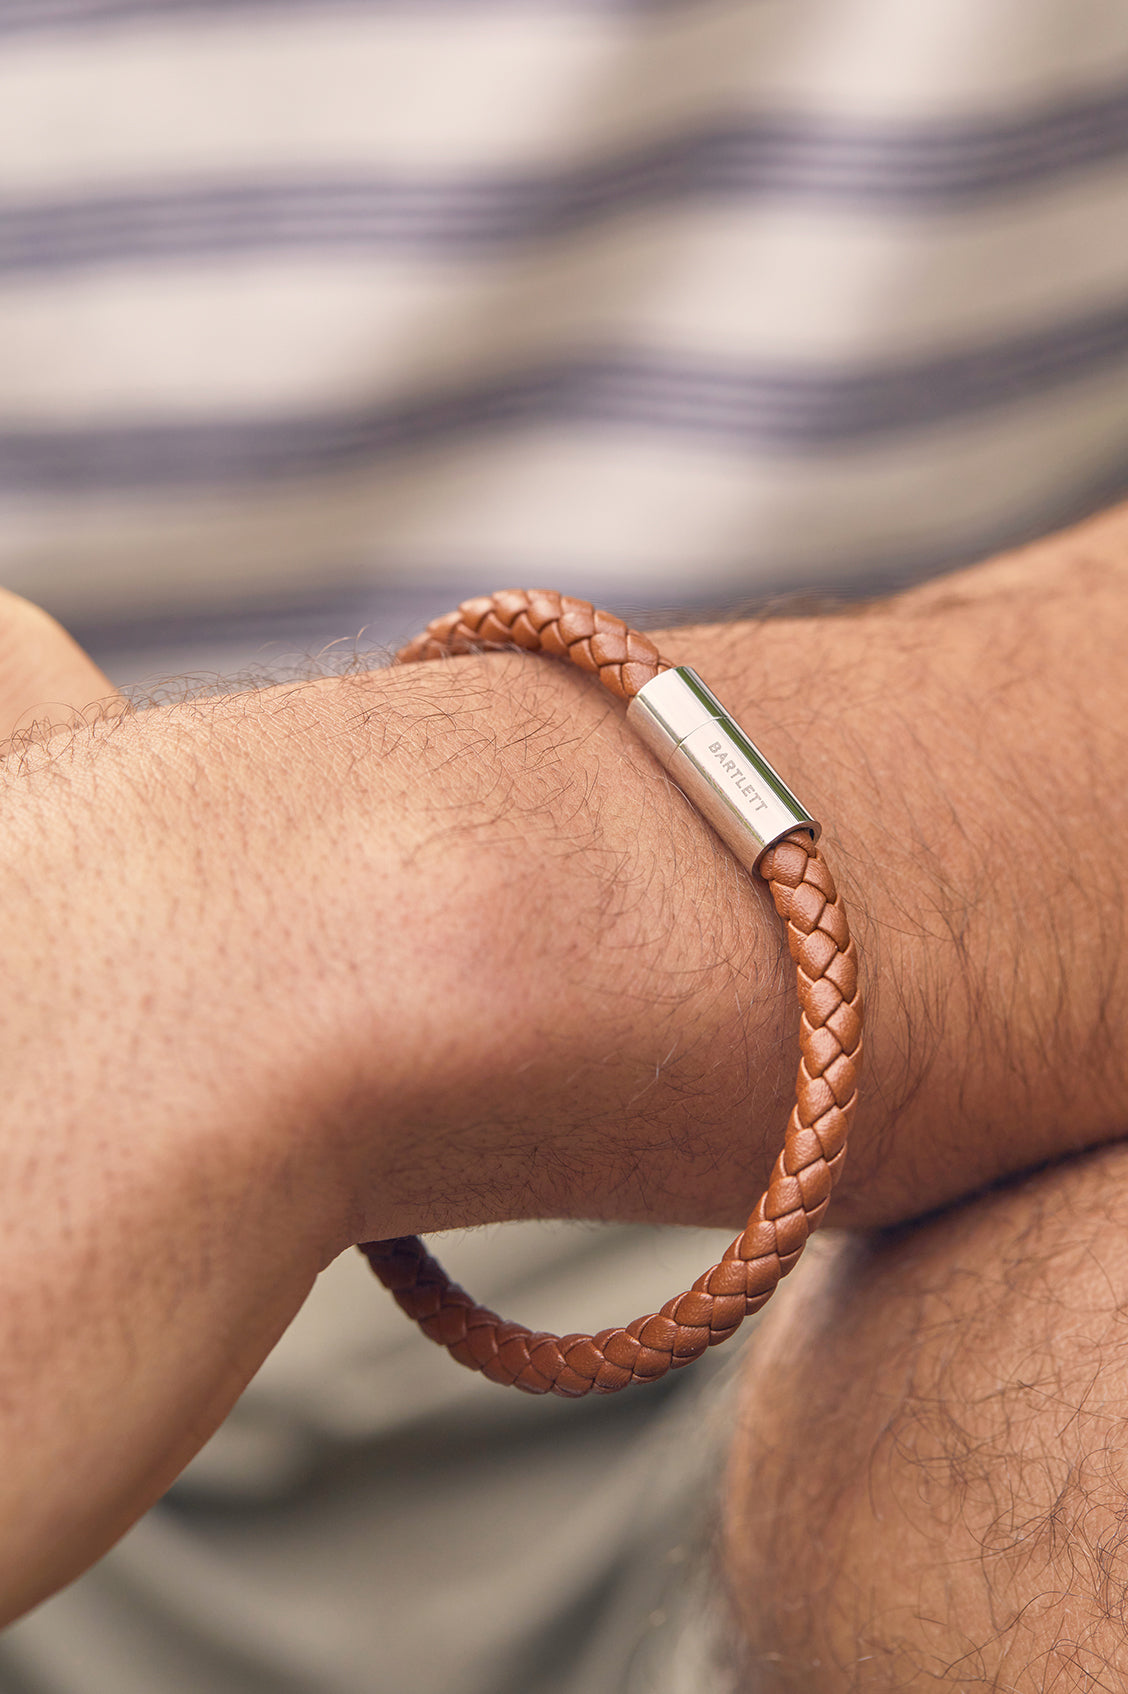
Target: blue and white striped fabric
point(627, 295)
point(332, 303)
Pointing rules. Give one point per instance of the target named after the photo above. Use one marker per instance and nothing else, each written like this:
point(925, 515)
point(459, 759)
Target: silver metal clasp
point(715, 765)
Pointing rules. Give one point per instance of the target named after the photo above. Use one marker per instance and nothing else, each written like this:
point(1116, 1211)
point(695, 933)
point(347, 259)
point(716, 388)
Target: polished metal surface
point(715, 765)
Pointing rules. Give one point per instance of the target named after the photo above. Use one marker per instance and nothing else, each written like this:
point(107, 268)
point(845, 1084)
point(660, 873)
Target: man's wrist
point(619, 985)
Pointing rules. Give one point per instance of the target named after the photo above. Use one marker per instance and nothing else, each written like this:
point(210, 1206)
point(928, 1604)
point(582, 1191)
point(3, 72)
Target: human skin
point(396, 951)
point(928, 1485)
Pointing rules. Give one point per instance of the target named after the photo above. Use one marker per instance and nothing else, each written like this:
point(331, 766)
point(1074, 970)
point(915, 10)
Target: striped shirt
point(322, 312)
point(655, 298)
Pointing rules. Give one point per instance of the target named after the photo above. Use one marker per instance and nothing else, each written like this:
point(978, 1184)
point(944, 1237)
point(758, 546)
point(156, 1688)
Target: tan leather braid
point(830, 1038)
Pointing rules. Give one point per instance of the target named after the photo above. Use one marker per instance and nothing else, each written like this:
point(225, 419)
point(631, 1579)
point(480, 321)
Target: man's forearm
point(442, 945)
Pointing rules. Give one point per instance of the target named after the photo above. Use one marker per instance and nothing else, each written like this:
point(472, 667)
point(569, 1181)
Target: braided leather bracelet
point(733, 785)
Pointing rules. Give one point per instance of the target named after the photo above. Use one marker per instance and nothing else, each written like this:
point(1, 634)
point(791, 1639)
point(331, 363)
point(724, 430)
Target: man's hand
point(442, 945)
